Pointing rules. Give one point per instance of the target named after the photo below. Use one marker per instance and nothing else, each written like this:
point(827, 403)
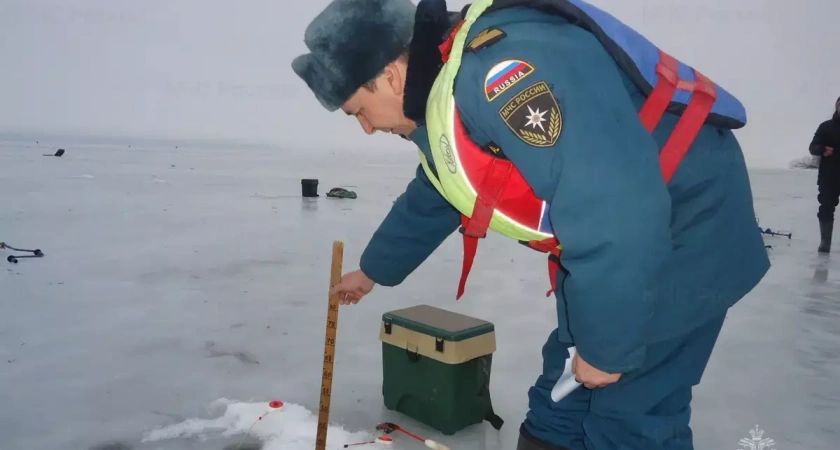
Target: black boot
point(826, 228)
point(528, 442)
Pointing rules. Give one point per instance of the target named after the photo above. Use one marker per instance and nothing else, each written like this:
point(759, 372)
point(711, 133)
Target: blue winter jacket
point(644, 261)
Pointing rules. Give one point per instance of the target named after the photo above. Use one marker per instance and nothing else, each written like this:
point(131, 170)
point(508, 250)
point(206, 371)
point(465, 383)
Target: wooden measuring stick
point(329, 349)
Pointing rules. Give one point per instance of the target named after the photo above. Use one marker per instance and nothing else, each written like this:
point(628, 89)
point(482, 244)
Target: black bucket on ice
point(309, 187)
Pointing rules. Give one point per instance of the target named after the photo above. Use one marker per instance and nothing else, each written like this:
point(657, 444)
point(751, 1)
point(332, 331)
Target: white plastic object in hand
point(566, 383)
point(435, 445)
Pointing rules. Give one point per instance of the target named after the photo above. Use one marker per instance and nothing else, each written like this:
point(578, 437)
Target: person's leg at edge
point(647, 409)
point(828, 197)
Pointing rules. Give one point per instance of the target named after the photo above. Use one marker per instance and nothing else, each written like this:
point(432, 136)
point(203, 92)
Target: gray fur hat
point(351, 41)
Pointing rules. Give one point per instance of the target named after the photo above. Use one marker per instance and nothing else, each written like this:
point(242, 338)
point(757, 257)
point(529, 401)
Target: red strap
point(470, 247)
point(549, 246)
point(489, 193)
point(553, 267)
point(546, 246)
point(658, 101)
point(692, 120)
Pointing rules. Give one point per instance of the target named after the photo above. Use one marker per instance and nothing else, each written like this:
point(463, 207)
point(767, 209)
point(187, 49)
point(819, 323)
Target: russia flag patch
point(504, 75)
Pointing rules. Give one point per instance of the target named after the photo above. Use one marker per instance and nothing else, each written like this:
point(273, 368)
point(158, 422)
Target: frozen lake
point(184, 289)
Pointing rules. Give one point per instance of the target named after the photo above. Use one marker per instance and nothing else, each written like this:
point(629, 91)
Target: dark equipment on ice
point(309, 187)
point(788, 234)
point(777, 233)
point(338, 192)
point(771, 232)
point(37, 253)
point(59, 153)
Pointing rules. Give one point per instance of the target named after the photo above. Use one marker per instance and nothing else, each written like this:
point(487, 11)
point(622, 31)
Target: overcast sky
point(212, 69)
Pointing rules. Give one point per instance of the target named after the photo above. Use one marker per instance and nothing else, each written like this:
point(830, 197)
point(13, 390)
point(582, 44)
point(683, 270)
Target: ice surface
point(175, 280)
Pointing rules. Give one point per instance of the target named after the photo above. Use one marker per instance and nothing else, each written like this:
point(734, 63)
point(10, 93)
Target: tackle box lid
point(441, 323)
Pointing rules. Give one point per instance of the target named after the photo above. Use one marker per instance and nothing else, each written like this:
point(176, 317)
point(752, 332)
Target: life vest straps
point(692, 119)
point(688, 126)
point(657, 102)
point(474, 228)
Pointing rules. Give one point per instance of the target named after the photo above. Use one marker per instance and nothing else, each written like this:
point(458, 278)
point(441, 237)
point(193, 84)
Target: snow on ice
point(290, 428)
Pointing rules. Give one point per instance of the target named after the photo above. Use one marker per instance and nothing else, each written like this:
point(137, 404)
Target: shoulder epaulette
point(485, 39)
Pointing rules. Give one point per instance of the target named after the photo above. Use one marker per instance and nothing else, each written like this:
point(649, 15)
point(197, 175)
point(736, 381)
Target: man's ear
point(394, 78)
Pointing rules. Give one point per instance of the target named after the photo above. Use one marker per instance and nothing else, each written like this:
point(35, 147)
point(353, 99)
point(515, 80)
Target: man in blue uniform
point(648, 268)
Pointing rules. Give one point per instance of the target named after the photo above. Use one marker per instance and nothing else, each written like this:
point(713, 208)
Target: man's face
point(381, 109)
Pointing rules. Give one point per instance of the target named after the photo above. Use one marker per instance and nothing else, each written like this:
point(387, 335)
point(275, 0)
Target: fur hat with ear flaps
point(351, 41)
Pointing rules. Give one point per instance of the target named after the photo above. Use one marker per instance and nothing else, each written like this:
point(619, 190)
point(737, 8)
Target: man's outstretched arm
point(420, 220)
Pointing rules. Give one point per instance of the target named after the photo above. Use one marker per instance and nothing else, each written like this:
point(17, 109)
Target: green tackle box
point(436, 367)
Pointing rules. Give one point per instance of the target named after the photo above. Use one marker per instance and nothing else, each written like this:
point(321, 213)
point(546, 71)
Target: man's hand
point(352, 287)
point(589, 376)
point(828, 151)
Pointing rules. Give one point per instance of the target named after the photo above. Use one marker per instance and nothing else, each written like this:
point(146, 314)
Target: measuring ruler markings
point(329, 349)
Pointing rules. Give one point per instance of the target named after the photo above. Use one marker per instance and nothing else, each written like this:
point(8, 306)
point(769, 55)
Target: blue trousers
point(647, 409)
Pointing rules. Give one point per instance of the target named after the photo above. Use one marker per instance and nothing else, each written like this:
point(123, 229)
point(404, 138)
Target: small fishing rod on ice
point(37, 253)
